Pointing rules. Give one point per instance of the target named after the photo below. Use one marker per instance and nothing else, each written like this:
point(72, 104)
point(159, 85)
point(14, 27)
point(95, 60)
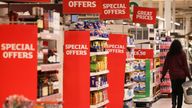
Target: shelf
point(93, 38)
point(99, 73)
point(48, 36)
point(149, 99)
point(131, 71)
point(51, 98)
point(49, 67)
point(130, 59)
point(129, 98)
point(131, 46)
point(99, 88)
point(99, 53)
point(100, 104)
point(129, 84)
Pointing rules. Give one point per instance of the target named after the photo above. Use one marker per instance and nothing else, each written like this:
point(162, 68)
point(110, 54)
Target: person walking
point(176, 65)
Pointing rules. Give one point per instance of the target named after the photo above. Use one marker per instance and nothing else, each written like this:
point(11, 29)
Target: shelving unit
point(165, 86)
point(129, 84)
point(99, 71)
point(50, 54)
point(49, 47)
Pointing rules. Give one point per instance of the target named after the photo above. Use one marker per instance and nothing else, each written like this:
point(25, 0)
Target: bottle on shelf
point(45, 88)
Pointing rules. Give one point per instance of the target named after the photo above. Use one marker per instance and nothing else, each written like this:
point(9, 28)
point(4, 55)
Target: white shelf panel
point(129, 84)
point(99, 73)
point(149, 99)
point(48, 36)
point(130, 71)
point(100, 104)
point(126, 99)
point(51, 98)
point(131, 46)
point(99, 88)
point(99, 53)
point(49, 67)
point(93, 38)
point(130, 59)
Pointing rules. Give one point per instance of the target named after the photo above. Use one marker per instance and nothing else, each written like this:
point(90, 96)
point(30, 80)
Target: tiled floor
point(166, 103)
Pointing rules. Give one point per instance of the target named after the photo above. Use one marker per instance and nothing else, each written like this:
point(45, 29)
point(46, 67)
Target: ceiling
point(183, 7)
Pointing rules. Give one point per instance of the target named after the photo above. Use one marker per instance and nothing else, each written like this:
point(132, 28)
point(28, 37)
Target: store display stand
point(165, 85)
point(98, 73)
point(129, 84)
point(53, 42)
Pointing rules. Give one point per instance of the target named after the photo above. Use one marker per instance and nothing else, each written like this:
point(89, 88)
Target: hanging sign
point(115, 9)
point(76, 86)
point(144, 53)
point(144, 15)
point(33, 0)
point(81, 6)
point(18, 61)
point(116, 65)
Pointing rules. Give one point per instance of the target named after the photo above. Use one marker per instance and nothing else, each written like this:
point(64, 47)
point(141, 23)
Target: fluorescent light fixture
point(158, 17)
point(163, 19)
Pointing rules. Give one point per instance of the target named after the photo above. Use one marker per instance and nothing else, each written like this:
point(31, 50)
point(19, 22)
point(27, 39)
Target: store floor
point(166, 103)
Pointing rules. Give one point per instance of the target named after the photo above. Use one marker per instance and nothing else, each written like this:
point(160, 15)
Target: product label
point(76, 49)
point(81, 6)
point(144, 15)
point(17, 51)
point(115, 9)
point(115, 48)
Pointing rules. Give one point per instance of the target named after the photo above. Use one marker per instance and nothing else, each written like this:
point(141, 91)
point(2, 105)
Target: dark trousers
point(177, 92)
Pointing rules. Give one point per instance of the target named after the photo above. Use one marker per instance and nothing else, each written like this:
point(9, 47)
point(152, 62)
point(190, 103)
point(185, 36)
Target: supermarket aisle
point(166, 103)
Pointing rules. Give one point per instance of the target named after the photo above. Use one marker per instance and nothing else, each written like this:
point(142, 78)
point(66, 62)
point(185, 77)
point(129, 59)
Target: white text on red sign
point(114, 8)
point(140, 53)
point(83, 4)
point(17, 51)
point(76, 49)
point(113, 48)
point(145, 15)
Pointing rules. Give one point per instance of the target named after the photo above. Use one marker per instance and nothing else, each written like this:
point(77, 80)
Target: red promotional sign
point(144, 15)
point(33, 0)
point(81, 6)
point(115, 9)
point(144, 53)
point(18, 61)
point(116, 65)
point(76, 90)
